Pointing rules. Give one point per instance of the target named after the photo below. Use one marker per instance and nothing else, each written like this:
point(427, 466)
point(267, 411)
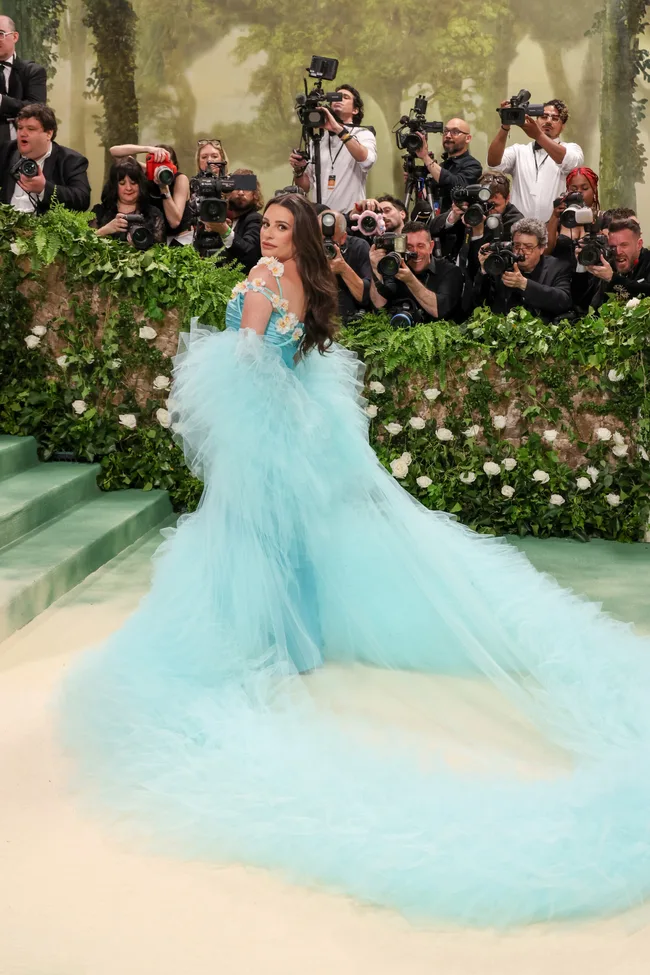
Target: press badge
point(331, 181)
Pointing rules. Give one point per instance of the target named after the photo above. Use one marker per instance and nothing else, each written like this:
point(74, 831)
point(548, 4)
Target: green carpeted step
point(36, 495)
point(16, 454)
point(40, 567)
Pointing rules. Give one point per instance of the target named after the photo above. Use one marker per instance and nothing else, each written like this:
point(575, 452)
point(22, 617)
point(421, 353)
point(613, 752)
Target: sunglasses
point(209, 142)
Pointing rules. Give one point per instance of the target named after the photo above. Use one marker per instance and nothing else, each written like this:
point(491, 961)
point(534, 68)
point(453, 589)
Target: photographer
point(582, 190)
point(240, 233)
point(124, 196)
point(430, 286)
point(58, 172)
point(391, 208)
point(211, 159)
point(21, 82)
point(538, 168)
point(347, 153)
point(454, 234)
point(350, 262)
point(459, 167)
point(627, 273)
point(169, 193)
point(540, 283)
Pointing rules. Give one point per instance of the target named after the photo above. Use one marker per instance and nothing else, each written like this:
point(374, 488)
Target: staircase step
point(37, 569)
point(16, 454)
point(36, 495)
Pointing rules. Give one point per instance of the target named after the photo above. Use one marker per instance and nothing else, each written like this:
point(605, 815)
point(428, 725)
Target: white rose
point(442, 433)
point(509, 463)
point(491, 469)
point(603, 433)
point(377, 387)
point(507, 490)
point(371, 411)
point(147, 332)
point(394, 428)
point(643, 452)
point(406, 457)
point(114, 364)
point(79, 406)
point(472, 431)
point(620, 450)
point(31, 341)
point(15, 249)
point(541, 477)
point(423, 482)
point(556, 499)
point(583, 483)
point(39, 330)
point(474, 374)
point(399, 468)
point(613, 499)
point(633, 302)
point(618, 438)
point(417, 423)
point(468, 478)
point(550, 436)
point(499, 422)
point(128, 420)
point(593, 473)
point(164, 418)
point(62, 361)
point(615, 377)
point(432, 394)
point(161, 382)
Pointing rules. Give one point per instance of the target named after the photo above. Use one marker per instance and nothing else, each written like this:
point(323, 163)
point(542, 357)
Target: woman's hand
point(117, 225)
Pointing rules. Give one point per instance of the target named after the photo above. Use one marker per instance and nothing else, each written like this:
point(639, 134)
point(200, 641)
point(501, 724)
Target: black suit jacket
point(245, 247)
point(356, 253)
point(66, 173)
point(27, 84)
point(547, 295)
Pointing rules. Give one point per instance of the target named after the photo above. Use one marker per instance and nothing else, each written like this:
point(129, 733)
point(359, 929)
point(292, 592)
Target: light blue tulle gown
point(192, 725)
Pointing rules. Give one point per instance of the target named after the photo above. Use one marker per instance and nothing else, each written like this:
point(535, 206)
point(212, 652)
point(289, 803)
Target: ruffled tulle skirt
point(192, 727)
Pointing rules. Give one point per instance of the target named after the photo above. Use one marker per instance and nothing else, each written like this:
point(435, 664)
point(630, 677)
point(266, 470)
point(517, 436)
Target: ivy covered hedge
point(514, 425)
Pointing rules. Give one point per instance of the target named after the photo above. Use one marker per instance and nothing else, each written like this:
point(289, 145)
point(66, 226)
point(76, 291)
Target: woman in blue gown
point(193, 725)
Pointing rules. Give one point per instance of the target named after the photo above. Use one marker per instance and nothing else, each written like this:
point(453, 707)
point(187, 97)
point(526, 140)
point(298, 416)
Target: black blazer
point(245, 247)
point(547, 295)
point(65, 170)
point(27, 84)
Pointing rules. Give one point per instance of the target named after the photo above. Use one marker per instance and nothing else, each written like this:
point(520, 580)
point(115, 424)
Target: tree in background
point(38, 24)
point(73, 48)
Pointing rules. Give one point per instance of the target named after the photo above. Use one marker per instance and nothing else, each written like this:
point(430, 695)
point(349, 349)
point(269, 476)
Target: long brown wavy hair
point(317, 278)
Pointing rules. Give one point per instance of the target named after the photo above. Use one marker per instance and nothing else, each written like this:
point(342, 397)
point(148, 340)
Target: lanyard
point(538, 166)
point(333, 160)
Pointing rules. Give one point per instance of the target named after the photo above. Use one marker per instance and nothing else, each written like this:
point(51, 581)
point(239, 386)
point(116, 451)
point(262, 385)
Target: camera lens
point(213, 211)
point(401, 319)
point(330, 249)
point(389, 266)
point(494, 265)
point(368, 224)
point(412, 142)
point(165, 175)
point(142, 238)
point(474, 215)
point(29, 168)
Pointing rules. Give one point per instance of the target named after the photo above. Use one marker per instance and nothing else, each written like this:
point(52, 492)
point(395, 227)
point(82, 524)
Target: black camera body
point(477, 199)
point(328, 229)
point(595, 247)
point(397, 247)
point(141, 237)
point(407, 129)
point(501, 257)
point(519, 108)
point(310, 106)
point(407, 313)
point(207, 194)
point(575, 213)
point(25, 167)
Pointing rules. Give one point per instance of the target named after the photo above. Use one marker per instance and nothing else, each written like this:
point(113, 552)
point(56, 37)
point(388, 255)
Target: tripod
point(418, 183)
point(311, 139)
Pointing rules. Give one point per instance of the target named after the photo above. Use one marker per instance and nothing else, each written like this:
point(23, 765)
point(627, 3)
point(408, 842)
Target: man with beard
point(458, 168)
point(348, 151)
point(626, 276)
point(241, 236)
point(539, 168)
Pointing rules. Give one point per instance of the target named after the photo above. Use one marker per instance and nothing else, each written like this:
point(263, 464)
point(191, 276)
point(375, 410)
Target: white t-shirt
point(20, 199)
point(349, 175)
point(536, 179)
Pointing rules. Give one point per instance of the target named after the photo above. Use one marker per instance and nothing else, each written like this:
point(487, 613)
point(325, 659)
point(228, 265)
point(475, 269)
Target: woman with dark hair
point(193, 722)
point(171, 198)
point(125, 192)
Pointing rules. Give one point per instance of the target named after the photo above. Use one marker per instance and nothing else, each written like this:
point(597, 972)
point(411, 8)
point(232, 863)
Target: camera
point(409, 126)
point(368, 223)
point(575, 213)
point(408, 313)
point(396, 245)
point(476, 197)
point(141, 237)
point(519, 108)
point(594, 248)
point(207, 192)
point(501, 257)
point(328, 228)
point(310, 106)
point(163, 172)
point(25, 167)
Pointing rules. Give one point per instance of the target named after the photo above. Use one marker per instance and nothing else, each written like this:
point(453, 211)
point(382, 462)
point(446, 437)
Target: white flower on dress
point(424, 481)
point(162, 382)
point(618, 438)
point(128, 420)
point(432, 394)
point(620, 450)
point(376, 387)
point(239, 289)
point(164, 418)
point(444, 435)
point(274, 265)
point(472, 431)
point(593, 473)
point(507, 490)
point(406, 457)
point(509, 463)
point(297, 334)
point(583, 483)
point(467, 478)
point(643, 452)
point(491, 469)
point(148, 333)
point(39, 330)
point(541, 477)
point(286, 324)
point(31, 341)
point(280, 304)
point(393, 428)
point(615, 377)
point(372, 411)
point(417, 423)
point(499, 422)
point(62, 361)
point(603, 433)
point(79, 406)
point(613, 499)
point(550, 436)
point(399, 468)
point(257, 284)
point(633, 302)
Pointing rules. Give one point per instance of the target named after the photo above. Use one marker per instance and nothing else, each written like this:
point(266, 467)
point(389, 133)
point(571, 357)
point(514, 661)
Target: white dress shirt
point(7, 72)
point(23, 201)
point(536, 179)
point(349, 175)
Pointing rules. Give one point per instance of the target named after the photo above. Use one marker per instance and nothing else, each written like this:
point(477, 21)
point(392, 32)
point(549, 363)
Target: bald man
point(21, 82)
point(459, 167)
point(351, 265)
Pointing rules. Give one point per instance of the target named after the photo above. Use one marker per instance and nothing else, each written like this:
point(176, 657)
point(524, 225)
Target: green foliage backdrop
point(513, 425)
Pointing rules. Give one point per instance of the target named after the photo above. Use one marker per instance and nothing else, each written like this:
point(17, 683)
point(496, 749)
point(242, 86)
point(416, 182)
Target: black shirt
point(460, 170)
point(356, 253)
point(547, 295)
point(590, 291)
point(441, 277)
point(153, 221)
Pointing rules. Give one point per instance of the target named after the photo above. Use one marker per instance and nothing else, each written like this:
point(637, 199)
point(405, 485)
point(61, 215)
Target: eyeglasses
point(550, 118)
point(454, 132)
point(527, 248)
point(7, 33)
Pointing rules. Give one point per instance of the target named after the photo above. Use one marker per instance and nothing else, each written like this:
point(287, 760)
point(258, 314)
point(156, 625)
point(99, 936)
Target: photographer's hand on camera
point(514, 279)
point(604, 270)
point(339, 265)
point(118, 225)
point(34, 186)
